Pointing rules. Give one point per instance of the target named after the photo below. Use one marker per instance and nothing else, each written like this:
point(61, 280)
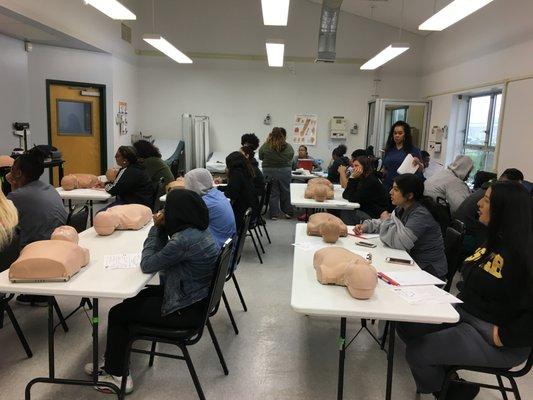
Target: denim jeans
point(280, 198)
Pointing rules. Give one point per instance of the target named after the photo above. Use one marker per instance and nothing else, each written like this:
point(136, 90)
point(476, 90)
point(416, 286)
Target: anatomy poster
point(304, 131)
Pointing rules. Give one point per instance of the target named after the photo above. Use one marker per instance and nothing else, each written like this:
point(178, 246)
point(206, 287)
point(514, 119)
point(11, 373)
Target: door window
point(74, 118)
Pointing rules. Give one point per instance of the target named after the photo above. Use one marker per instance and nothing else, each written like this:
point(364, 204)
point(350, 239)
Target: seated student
point(240, 188)
point(40, 209)
point(8, 222)
point(154, 166)
point(221, 218)
point(304, 155)
point(362, 187)
point(467, 212)
point(412, 226)
point(132, 184)
point(338, 159)
point(496, 316)
point(356, 153)
point(450, 182)
point(259, 179)
point(181, 246)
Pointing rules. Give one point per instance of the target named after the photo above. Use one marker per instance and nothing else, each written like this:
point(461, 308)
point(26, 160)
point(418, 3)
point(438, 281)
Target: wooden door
point(74, 115)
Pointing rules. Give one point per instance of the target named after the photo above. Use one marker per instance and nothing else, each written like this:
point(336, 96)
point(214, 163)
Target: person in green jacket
point(277, 155)
point(154, 166)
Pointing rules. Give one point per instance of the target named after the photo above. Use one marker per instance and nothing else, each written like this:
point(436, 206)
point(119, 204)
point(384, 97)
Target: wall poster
point(304, 131)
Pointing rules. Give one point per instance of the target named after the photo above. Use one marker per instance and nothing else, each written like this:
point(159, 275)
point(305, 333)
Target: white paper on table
point(122, 260)
point(424, 294)
point(407, 166)
point(369, 235)
point(413, 278)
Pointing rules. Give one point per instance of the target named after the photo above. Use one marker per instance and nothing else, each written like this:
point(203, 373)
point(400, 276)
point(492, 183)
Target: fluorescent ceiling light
point(453, 12)
point(112, 8)
point(393, 50)
point(275, 12)
point(275, 54)
point(165, 47)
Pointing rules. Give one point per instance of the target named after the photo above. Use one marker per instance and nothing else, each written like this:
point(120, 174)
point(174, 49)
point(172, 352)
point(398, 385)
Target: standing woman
point(399, 144)
point(240, 189)
point(277, 155)
point(496, 316)
point(132, 185)
point(154, 166)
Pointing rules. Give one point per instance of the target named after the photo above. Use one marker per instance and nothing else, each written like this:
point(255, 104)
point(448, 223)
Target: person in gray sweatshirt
point(450, 183)
point(412, 226)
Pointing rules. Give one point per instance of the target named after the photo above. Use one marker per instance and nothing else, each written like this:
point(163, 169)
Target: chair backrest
point(158, 192)
point(445, 214)
point(265, 198)
point(78, 220)
point(241, 237)
point(453, 243)
point(10, 253)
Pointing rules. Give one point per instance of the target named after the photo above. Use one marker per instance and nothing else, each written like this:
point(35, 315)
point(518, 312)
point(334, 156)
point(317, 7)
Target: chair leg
point(193, 372)
point(263, 223)
point(234, 278)
point(20, 334)
point(502, 388)
point(217, 348)
point(228, 309)
point(259, 229)
point(256, 249)
point(259, 240)
point(60, 315)
point(86, 301)
point(152, 355)
point(516, 392)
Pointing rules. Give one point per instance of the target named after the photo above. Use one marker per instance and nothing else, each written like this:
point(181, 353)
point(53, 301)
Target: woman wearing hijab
point(221, 217)
point(180, 246)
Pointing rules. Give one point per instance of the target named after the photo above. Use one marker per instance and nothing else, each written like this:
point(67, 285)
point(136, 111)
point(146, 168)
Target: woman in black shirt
point(496, 316)
point(338, 159)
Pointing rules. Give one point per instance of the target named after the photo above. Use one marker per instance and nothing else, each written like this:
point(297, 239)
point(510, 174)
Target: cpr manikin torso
point(129, 216)
point(78, 181)
point(319, 189)
point(326, 225)
point(6, 161)
point(339, 266)
point(57, 259)
point(179, 183)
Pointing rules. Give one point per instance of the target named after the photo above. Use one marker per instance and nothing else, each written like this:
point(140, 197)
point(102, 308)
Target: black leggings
point(144, 308)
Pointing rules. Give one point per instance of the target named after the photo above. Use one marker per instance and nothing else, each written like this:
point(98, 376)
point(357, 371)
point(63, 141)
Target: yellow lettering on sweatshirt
point(493, 266)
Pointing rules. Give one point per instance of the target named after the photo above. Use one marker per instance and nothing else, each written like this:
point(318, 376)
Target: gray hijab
point(199, 180)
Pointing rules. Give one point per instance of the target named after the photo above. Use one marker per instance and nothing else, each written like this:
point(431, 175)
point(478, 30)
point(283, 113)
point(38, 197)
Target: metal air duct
point(327, 36)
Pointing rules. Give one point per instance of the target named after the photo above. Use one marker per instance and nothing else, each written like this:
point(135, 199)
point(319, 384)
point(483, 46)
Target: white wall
point(125, 88)
point(237, 96)
point(13, 90)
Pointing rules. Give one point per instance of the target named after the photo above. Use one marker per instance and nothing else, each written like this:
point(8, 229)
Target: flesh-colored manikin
point(319, 189)
point(6, 161)
point(326, 225)
point(129, 216)
point(339, 266)
point(79, 181)
point(65, 232)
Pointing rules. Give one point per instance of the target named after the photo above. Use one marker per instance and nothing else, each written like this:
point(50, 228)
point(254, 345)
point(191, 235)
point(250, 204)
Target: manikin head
point(69, 182)
point(65, 232)
point(326, 225)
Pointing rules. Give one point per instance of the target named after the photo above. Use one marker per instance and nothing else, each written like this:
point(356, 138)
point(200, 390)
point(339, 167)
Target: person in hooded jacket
point(450, 182)
point(181, 246)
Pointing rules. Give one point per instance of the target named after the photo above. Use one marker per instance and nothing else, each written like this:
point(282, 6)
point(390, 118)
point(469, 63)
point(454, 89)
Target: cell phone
point(402, 261)
point(365, 244)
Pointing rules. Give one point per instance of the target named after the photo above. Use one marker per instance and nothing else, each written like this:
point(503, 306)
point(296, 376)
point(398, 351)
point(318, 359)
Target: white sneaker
point(89, 368)
point(115, 380)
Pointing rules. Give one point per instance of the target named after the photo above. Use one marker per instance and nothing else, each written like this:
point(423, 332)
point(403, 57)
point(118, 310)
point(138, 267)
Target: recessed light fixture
point(167, 48)
point(390, 52)
point(275, 54)
point(275, 12)
point(452, 13)
point(112, 8)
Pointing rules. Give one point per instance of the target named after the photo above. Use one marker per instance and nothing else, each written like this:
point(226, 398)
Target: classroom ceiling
point(390, 11)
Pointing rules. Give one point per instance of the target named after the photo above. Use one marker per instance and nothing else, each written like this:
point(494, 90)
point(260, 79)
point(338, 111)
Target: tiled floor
point(279, 354)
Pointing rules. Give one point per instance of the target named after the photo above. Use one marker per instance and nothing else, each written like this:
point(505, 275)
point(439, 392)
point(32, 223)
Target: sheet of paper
point(424, 294)
point(413, 278)
point(122, 261)
point(407, 166)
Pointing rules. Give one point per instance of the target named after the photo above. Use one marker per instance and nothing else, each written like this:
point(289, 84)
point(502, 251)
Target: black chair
point(158, 192)
point(78, 220)
point(453, 244)
point(263, 202)
point(444, 214)
point(183, 338)
point(508, 373)
point(7, 256)
point(268, 191)
point(239, 244)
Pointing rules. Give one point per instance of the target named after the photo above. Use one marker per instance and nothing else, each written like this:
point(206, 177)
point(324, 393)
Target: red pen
point(385, 278)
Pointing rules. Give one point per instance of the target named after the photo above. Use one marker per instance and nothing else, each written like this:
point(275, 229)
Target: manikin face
point(484, 208)
point(121, 161)
point(398, 135)
point(302, 152)
point(396, 196)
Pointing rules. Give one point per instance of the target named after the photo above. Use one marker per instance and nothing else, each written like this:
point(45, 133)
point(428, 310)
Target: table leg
point(51, 175)
point(94, 322)
point(390, 359)
point(342, 353)
point(91, 212)
point(60, 172)
point(51, 354)
point(69, 205)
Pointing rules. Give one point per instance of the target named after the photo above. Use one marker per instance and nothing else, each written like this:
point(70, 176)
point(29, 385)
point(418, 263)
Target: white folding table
point(89, 195)
point(338, 203)
point(312, 298)
point(93, 281)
